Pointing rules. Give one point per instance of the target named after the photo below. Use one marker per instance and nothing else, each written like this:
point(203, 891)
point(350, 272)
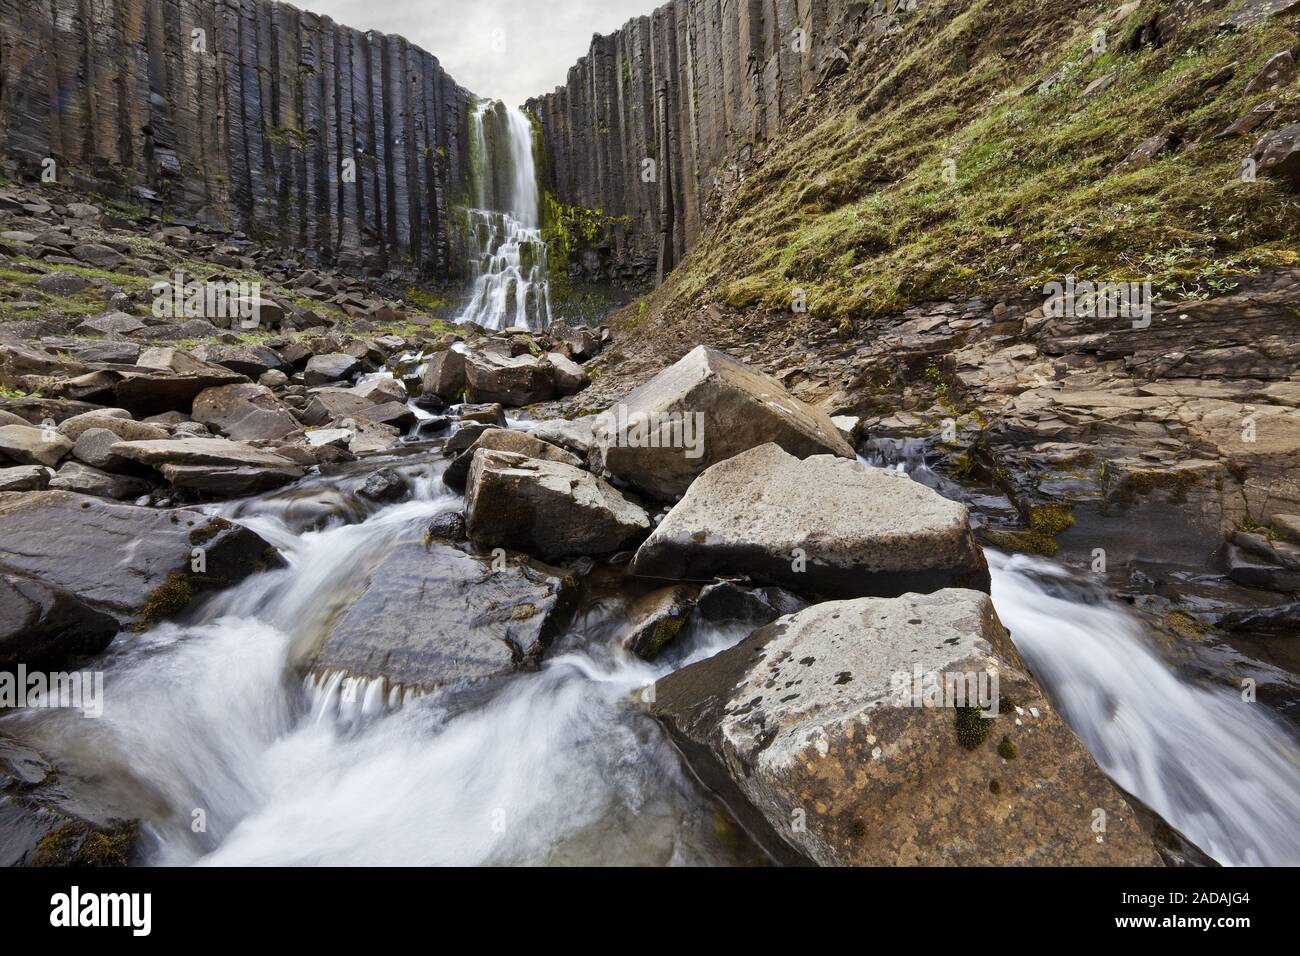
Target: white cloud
point(508, 49)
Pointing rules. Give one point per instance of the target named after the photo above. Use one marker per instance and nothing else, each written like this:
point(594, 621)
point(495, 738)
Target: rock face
point(809, 729)
point(125, 94)
point(703, 410)
point(136, 564)
point(820, 526)
point(434, 616)
point(547, 508)
point(734, 77)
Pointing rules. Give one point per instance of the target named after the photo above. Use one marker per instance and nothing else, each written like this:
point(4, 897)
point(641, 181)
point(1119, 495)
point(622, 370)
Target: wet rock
point(510, 380)
point(244, 412)
point(1282, 620)
point(820, 526)
point(547, 508)
point(1252, 570)
point(38, 826)
point(722, 406)
point(809, 731)
point(460, 619)
point(444, 375)
point(47, 627)
point(447, 526)
point(654, 619)
point(504, 439)
point(330, 368)
point(25, 478)
point(83, 479)
point(728, 602)
point(133, 563)
point(25, 445)
point(384, 485)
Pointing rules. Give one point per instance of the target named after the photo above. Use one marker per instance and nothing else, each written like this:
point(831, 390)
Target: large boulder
point(25, 445)
point(871, 733)
point(570, 377)
point(125, 428)
point(461, 618)
point(1277, 155)
point(86, 480)
point(244, 412)
point(547, 508)
point(330, 368)
point(47, 627)
point(703, 410)
point(504, 439)
point(444, 375)
point(251, 360)
point(25, 478)
point(136, 564)
point(821, 526)
point(511, 380)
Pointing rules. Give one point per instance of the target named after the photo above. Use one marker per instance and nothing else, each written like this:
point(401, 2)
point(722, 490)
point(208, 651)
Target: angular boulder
point(85, 480)
point(212, 465)
point(25, 445)
point(703, 410)
point(244, 412)
point(820, 733)
point(459, 619)
point(135, 564)
point(504, 439)
point(821, 526)
point(25, 478)
point(547, 508)
point(330, 368)
point(511, 380)
point(654, 619)
point(444, 375)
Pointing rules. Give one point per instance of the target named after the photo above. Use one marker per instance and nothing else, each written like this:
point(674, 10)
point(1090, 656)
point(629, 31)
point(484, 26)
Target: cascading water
point(507, 253)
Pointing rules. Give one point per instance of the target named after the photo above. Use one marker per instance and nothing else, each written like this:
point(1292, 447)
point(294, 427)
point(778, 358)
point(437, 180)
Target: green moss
point(855, 207)
point(1141, 483)
point(1007, 750)
point(972, 727)
point(76, 844)
point(665, 630)
point(206, 532)
point(1045, 523)
point(169, 598)
point(1184, 625)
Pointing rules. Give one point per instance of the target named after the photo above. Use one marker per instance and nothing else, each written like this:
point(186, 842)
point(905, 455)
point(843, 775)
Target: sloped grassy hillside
point(936, 165)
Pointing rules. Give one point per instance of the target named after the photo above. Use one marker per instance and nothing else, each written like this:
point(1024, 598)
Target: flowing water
point(212, 719)
point(508, 255)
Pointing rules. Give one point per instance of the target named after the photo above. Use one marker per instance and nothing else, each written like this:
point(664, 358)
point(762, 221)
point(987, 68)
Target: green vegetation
point(1045, 523)
point(972, 727)
point(170, 597)
point(76, 844)
point(936, 175)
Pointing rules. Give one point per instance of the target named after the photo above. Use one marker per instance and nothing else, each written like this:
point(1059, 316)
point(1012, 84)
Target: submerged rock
point(810, 730)
point(547, 508)
point(701, 411)
point(820, 526)
point(136, 564)
point(431, 616)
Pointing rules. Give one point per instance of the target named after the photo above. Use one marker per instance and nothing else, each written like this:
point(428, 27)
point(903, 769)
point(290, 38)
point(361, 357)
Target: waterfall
point(506, 250)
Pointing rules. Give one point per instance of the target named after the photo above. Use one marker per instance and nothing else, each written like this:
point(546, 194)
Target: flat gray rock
point(822, 526)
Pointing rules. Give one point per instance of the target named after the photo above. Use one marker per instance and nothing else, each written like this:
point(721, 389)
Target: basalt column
point(242, 113)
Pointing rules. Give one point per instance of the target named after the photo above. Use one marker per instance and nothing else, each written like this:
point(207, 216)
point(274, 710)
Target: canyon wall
point(242, 113)
point(695, 86)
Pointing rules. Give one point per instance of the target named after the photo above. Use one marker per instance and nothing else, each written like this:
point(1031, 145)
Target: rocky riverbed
point(363, 585)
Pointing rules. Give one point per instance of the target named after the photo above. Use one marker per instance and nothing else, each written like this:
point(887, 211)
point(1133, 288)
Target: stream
point(212, 717)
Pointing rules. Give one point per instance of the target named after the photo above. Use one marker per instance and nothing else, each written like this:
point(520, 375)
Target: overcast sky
point(509, 49)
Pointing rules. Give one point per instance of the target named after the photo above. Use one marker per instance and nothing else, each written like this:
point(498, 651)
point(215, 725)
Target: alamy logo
point(1102, 300)
point(83, 691)
point(949, 689)
point(73, 909)
point(683, 430)
point(180, 299)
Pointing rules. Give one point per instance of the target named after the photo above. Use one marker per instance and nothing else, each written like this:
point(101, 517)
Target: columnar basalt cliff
point(696, 87)
point(242, 113)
